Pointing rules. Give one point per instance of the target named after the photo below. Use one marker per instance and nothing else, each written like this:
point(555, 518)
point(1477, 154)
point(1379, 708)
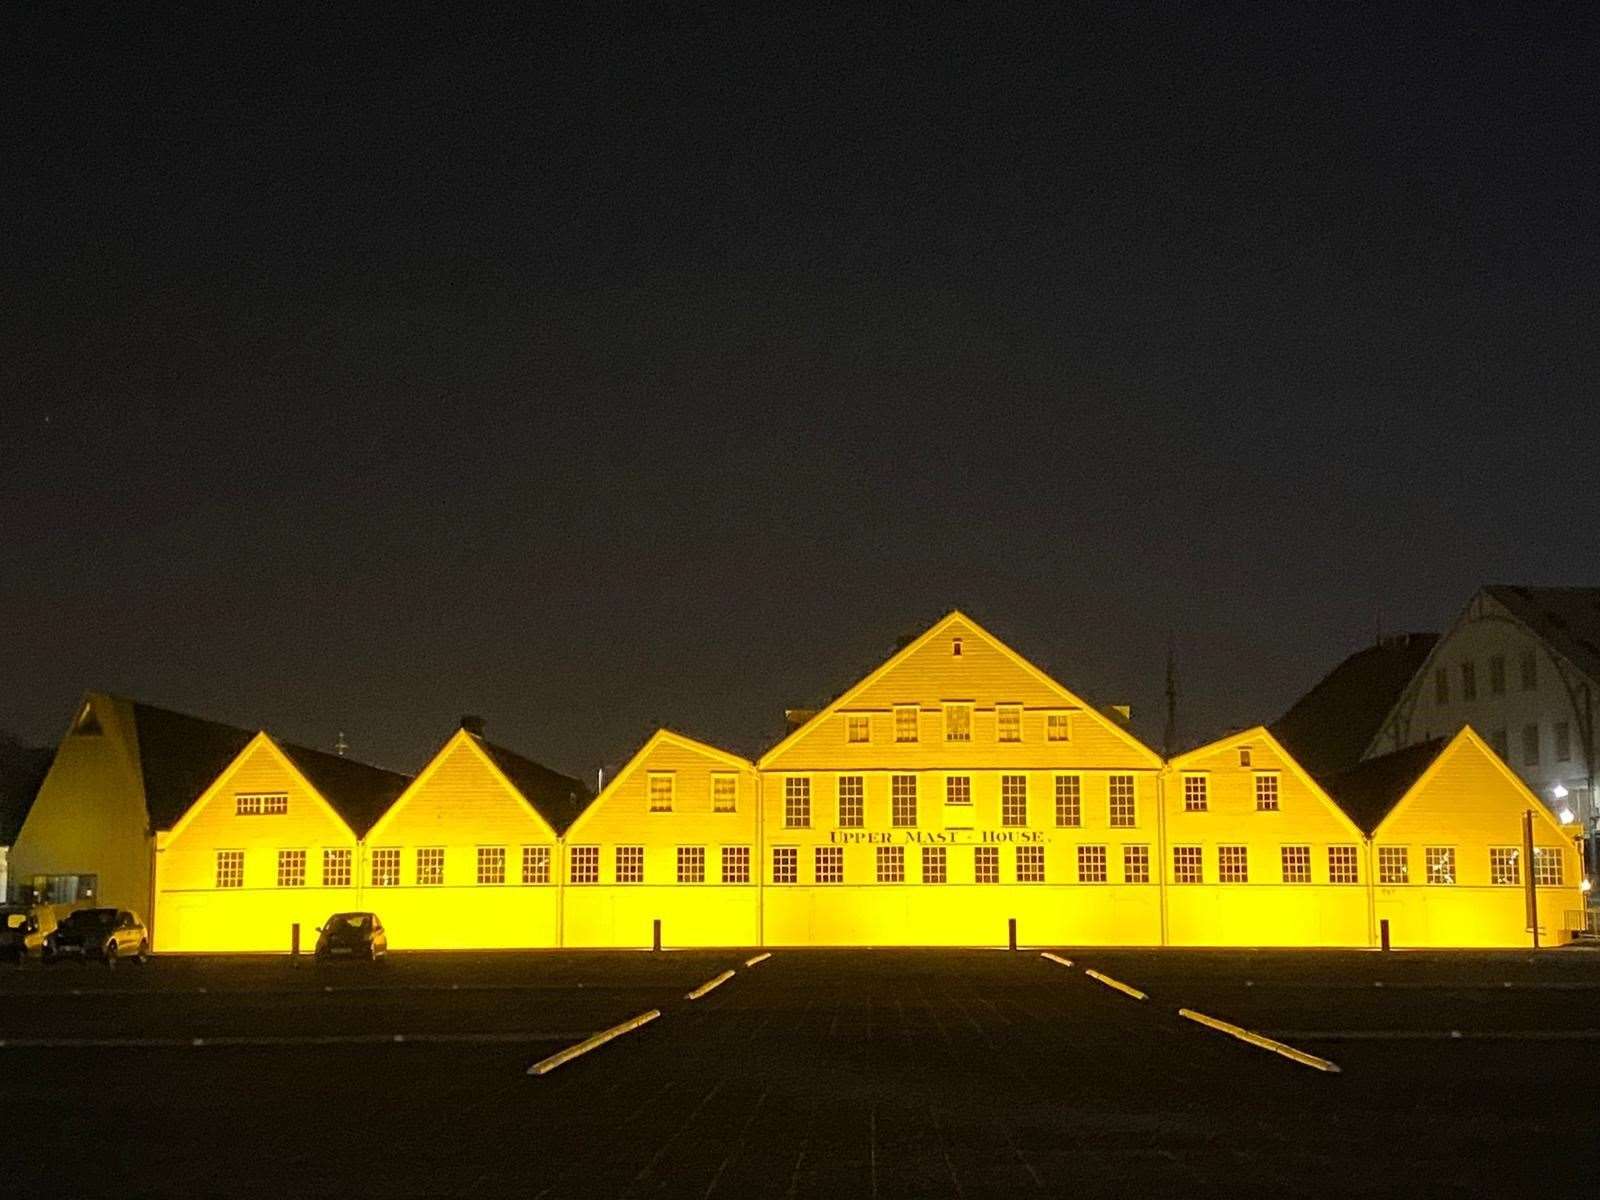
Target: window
point(1187, 865)
point(291, 868)
point(1499, 744)
point(986, 864)
point(830, 864)
point(958, 789)
point(660, 793)
point(1244, 756)
point(724, 793)
point(1469, 681)
point(1547, 866)
point(1057, 727)
point(955, 647)
point(1297, 864)
point(386, 867)
point(857, 727)
point(1440, 862)
point(1136, 864)
point(1008, 719)
point(1233, 864)
point(891, 864)
point(536, 864)
point(585, 864)
point(796, 803)
point(336, 868)
point(230, 868)
point(1529, 671)
point(630, 864)
point(785, 864)
point(1266, 793)
point(1069, 813)
point(1194, 793)
point(736, 864)
point(1441, 686)
point(430, 866)
point(87, 724)
point(933, 864)
point(905, 723)
point(1030, 864)
point(1563, 742)
point(691, 864)
point(1342, 865)
point(1119, 790)
point(1013, 800)
point(1393, 865)
point(1497, 674)
point(852, 802)
point(902, 800)
point(958, 722)
point(1091, 864)
point(1505, 865)
point(491, 864)
point(255, 804)
point(1530, 745)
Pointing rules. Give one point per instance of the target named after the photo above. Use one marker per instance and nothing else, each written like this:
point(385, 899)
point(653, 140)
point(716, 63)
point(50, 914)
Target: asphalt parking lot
point(892, 1073)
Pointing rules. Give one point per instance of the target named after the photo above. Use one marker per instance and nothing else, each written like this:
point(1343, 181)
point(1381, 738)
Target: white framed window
point(1343, 864)
point(797, 802)
point(386, 866)
point(1195, 793)
point(891, 864)
point(1120, 803)
point(1441, 686)
point(829, 864)
point(1563, 742)
point(535, 864)
point(857, 727)
point(986, 864)
point(1188, 864)
point(1008, 722)
point(1092, 864)
point(934, 864)
point(1497, 674)
point(1439, 862)
point(906, 719)
point(1136, 864)
point(1530, 670)
point(736, 864)
point(491, 864)
point(1233, 864)
point(1244, 756)
point(1030, 864)
point(1394, 865)
point(230, 868)
point(1505, 865)
point(1499, 743)
point(336, 867)
point(955, 647)
point(430, 866)
point(583, 864)
point(724, 792)
point(1547, 866)
point(630, 864)
point(660, 792)
point(256, 804)
point(1469, 681)
point(1266, 793)
point(1296, 864)
point(958, 789)
point(1013, 800)
point(958, 722)
point(852, 801)
point(691, 864)
point(785, 864)
point(1057, 727)
point(1069, 795)
point(1530, 745)
point(903, 801)
point(291, 868)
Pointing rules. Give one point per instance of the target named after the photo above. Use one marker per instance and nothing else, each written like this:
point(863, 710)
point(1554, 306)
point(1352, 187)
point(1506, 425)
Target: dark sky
point(663, 367)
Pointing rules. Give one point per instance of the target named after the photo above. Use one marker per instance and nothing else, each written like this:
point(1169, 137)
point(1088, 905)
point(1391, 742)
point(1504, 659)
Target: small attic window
point(955, 647)
point(1244, 756)
point(87, 723)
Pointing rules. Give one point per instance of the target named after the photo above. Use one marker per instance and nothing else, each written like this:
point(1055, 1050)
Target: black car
point(104, 933)
point(352, 935)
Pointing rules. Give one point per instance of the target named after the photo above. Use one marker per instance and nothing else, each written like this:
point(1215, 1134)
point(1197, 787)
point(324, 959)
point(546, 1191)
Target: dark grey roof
point(22, 770)
point(1329, 727)
point(180, 756)
point(1369, 790)
point(1566, 617)
point(359, 793)
point(555, 797)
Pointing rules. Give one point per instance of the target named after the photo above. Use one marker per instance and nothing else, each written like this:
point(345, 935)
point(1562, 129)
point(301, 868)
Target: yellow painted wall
point(460, 802)
point(707, 914)
point(193, 914)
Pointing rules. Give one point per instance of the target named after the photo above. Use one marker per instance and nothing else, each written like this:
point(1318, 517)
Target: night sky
point(664, 367)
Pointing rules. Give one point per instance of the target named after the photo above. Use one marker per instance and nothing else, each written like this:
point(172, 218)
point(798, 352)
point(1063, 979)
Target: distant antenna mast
point(1170, 737)
point(340, 745)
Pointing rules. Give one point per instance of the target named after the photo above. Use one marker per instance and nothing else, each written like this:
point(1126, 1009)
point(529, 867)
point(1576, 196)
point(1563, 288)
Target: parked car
point(352, 935)
point(23, 929)
point(103, 933)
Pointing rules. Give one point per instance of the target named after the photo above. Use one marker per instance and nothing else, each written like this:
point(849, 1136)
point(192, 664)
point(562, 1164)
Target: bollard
point(1383, 932)
point(657, 944)
point(294, 944)
point(1013, 930)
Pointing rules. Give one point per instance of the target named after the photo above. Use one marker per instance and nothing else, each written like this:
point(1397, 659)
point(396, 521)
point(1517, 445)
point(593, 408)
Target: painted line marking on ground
point(229, 1041)
point(1056, 958)
point(715, 981)
point(313, 989)
point(1256, 1039)
point(760, 958)
point(1421, 986)
point(1115, 983)
point(545, 1065)
point(1441, 1035)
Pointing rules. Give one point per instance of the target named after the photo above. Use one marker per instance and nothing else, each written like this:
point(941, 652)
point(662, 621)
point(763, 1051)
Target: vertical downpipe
point(1160, 865)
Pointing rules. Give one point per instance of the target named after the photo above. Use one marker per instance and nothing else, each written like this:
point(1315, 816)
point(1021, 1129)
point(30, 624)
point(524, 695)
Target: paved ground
point(815, 1073)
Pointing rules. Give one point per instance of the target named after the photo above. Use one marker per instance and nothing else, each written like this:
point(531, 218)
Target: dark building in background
point(22, 770)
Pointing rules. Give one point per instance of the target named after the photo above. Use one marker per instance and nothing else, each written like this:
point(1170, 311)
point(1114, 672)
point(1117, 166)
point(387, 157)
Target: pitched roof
point(22, 770)
point(1369, 790)
point(1566, 617)
point(359, 793)
point(1329, 727)
point(555, 797)
point(181, 756)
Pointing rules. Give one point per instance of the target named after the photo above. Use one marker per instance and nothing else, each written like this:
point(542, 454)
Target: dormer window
point(1244, 756)
point(955, 647)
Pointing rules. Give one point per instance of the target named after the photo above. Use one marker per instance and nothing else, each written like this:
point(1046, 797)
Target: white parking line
point(336, 1039)
point(714, 982)
point(1116, 983)
point(1056, 958)
point(1256, 1039)
point(545, 1065)
point(1440, 1035)
point(750, 962)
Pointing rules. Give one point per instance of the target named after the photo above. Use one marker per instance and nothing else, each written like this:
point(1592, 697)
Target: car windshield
point(16, 919)
point(349, 921)
point(90, 918)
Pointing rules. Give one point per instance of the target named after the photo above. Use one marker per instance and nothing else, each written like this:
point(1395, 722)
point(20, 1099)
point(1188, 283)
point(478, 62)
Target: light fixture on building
point(1559, 791)
point(1566, 816)
point(1585, 886)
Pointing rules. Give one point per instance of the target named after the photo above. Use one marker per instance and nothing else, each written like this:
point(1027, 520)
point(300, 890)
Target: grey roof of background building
point(22, 770)
point(1568, 618)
